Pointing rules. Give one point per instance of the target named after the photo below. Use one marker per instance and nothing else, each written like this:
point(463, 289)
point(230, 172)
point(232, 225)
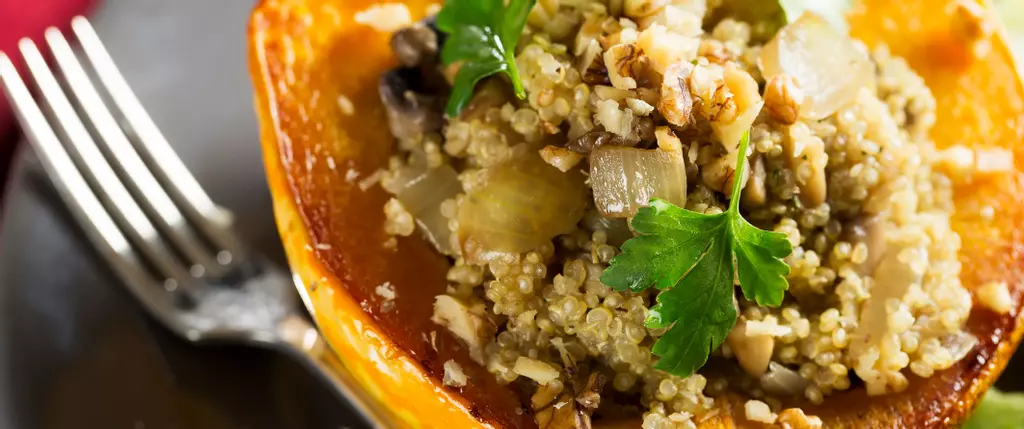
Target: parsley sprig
point(482, 34)
point(692, 257)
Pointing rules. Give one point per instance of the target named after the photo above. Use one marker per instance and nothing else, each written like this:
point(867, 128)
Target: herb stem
point(513, 73)
point(737, 179)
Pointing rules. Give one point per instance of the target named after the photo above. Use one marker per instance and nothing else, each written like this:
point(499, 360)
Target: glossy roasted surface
point(305, 55)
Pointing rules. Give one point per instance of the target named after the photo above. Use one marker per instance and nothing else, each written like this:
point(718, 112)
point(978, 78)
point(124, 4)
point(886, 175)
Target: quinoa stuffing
point(532, 166)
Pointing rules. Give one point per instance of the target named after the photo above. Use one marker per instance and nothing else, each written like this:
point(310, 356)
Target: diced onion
point(780, 380)
point(729, 134)
point(625, 179)
point(827, 65)
point(901, 267)
point(422, 196)
point(524, 203)
point(959, 345)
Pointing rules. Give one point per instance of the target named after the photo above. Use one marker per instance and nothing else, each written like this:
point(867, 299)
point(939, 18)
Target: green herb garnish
point(692, 257)
point(482, 34)
point(998, 410)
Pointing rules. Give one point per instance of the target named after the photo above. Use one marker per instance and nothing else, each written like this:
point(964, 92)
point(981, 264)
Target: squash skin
point(305, 53)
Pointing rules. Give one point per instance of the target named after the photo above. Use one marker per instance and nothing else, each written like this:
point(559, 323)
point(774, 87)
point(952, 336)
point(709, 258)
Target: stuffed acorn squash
point(649, 213)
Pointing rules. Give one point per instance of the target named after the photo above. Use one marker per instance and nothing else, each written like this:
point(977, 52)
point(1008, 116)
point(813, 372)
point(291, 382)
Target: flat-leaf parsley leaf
point(692, 257)
point(482, 34)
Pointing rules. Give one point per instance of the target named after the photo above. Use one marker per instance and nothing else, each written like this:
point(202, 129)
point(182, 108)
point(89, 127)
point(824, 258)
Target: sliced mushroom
point(641, 130)
point(415, 44)
point(596, 138)
point(410, 112)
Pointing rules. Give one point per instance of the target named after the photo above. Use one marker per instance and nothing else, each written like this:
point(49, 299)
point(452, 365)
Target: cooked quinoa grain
point(862, 195)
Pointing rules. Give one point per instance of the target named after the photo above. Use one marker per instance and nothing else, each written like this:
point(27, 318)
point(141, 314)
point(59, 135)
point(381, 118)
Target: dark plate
point(75, 349)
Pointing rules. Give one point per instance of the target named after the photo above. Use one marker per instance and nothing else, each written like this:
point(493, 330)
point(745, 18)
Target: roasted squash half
point(307, 54)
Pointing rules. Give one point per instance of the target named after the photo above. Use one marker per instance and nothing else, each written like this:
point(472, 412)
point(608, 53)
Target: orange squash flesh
point(306, 54)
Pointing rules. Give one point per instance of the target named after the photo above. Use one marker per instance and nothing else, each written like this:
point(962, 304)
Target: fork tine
point(123, 208)
point(147, 190)
point(84, 205)
point(207, 216)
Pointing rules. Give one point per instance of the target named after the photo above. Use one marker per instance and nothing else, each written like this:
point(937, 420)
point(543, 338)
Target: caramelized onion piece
point(780, 380)
point(625, 179)
point(902, 266)
point(827, 65)
point(422, 196)
point(524, 203)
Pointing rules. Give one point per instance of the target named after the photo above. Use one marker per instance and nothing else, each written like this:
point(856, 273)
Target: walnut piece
point(782, 98)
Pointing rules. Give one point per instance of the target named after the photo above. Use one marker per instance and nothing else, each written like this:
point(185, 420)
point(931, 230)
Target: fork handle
point(303, 340)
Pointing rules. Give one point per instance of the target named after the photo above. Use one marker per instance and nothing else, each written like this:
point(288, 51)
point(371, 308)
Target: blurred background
point(75, 350)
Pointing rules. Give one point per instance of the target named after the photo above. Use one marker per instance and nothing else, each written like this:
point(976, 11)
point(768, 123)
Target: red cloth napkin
point(27, 18)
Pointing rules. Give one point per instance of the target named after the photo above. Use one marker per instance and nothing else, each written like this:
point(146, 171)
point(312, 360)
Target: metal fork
point(150, 219)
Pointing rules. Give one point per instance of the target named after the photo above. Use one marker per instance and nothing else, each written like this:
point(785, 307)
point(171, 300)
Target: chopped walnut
point(757, 411)
point(640, 107)
point(708, 86)
point(468, 324)
point(568, 405)
point(589, 32)
point(782, 98)
point(536, 370)
point(595, 138)
point(794, 418)
point(453, 374)
point(676, 103)
point(561, 158)
point(664, 48)
point(667, 140)
point(592, 66)
point(714, 51)
point(642, 8)
point(620, 60)
point(720, 173)
point(743, 87)
point(398, 220)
